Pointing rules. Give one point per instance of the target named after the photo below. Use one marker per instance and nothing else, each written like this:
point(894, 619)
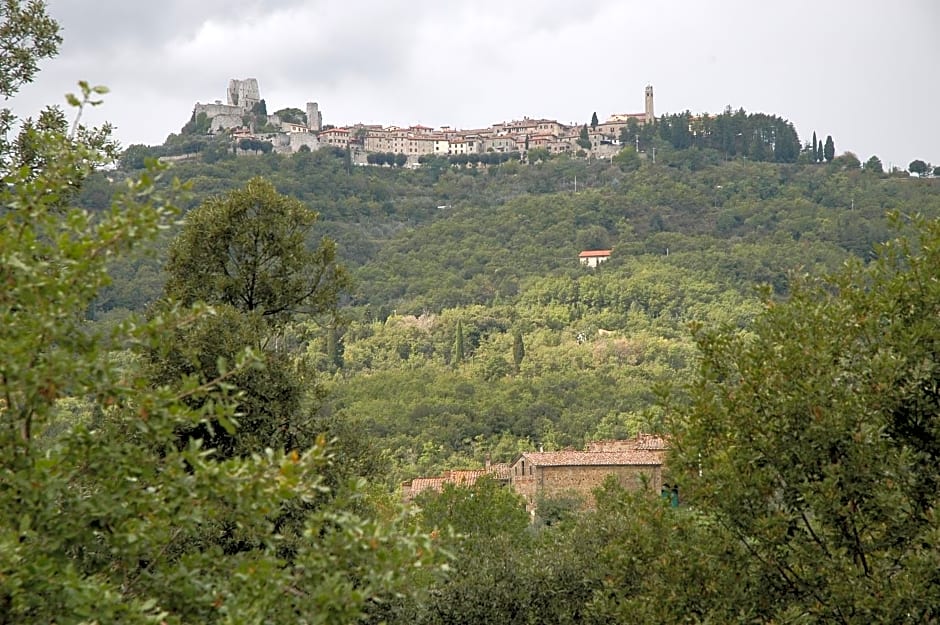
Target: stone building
point(636, 463)
point(537, 475)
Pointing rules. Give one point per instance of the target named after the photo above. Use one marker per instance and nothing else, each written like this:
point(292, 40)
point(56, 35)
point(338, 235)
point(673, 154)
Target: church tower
point(650, 115)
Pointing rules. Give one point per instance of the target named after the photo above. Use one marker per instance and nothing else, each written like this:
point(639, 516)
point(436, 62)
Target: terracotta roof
point(457, 477)
point(592, 458)
point(593, 253)
point(500, 471)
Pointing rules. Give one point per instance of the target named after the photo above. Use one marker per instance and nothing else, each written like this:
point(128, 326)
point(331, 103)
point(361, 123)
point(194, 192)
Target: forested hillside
point(494, 249)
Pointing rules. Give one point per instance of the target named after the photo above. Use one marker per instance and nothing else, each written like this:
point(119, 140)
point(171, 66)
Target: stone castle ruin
point(240, 116)
point(244, 93)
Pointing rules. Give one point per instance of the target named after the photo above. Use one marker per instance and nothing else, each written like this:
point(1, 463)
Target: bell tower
point(648, 110)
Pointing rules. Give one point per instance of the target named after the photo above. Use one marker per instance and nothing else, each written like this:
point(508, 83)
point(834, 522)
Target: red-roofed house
point(593, 258)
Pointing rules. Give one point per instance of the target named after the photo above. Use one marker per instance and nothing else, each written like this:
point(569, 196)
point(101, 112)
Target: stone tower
point(243, 93)
point(314, 117)
point(650, 115)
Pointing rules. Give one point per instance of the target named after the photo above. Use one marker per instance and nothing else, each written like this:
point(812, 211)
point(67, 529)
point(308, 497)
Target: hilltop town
point(245, 119)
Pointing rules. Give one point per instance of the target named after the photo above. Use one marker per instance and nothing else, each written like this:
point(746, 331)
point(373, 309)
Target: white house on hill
point(593, 258)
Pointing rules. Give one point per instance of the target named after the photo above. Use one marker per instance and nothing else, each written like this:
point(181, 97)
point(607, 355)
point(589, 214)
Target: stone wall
point(221, 116)
point(561, 481)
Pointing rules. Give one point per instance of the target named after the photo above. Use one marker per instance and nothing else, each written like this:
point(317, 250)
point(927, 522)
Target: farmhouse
point(593, 258)
point(636, 463)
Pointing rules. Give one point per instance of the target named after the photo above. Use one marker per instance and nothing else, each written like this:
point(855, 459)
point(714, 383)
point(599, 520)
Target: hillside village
point(244, 106)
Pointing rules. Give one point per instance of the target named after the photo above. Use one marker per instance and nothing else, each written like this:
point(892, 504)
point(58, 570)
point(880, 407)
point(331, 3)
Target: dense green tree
point(458, 355)
point(518, 349)
point(400, 159)
point(251, 249)
point(874, 165)
point(594, 121)
point(829, 149)
point(816, 150)
point(918, 167)
point(627, 159)
point(814, 441)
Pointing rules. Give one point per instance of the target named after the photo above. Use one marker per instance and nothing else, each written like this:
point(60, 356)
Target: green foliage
point(249, 144)
point(250, 249)
point(829, 149)
point(27, 36)
point(594, 121)
point(583, 139)
point(538, 155)
point(814, 441)
point(756, 136)
point(458, 356)
point(874, 165)
point(518, 350)
point(627, 159)
point(198, 125)
point(475, 514)
point(919, 167)
point(292, 115)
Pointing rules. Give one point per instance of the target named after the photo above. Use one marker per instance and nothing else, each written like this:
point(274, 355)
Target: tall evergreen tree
point(594, 121)
point(815, 148)
point(829, 150)
point(458, 344)
point(518, 349)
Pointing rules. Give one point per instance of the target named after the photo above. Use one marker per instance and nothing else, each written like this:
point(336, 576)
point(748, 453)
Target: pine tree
point(815, 148)
point(594, 121)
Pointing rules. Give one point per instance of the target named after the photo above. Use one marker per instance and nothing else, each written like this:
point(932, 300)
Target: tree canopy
point(813, 440)
point(251, 249)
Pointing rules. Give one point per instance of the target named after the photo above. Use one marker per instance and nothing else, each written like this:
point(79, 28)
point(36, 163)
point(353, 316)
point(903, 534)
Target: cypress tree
point(829, 150)
point(518, 349)
point(458, 344)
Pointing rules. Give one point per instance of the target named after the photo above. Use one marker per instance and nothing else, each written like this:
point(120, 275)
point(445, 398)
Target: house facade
point(539, 475)
point(593, 258)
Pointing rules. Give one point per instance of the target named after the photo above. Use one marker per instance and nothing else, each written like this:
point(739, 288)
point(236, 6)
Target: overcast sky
point(863, 71)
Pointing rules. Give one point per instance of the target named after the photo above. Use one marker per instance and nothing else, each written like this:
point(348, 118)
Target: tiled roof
point(593, 458)
point(457, 477)
point(593, 253)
